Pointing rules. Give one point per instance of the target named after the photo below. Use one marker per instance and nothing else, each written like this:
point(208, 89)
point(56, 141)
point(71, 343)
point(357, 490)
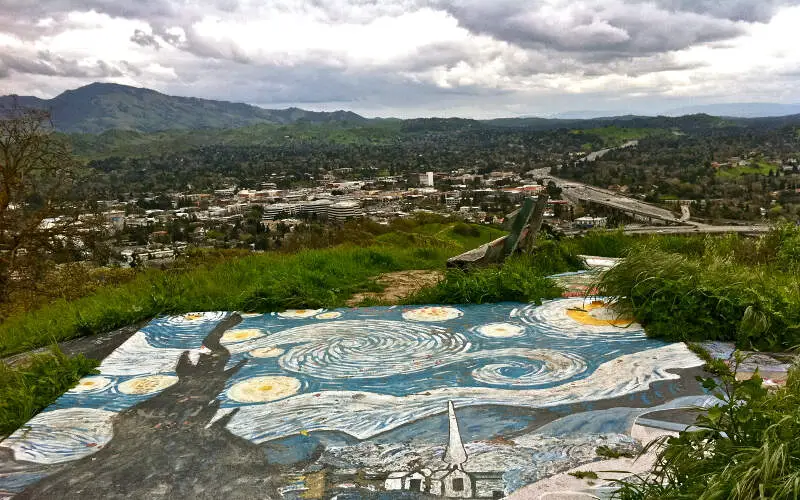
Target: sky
point(407, 58)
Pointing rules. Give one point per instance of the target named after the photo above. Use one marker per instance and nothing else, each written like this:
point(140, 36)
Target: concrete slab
point(352, 402)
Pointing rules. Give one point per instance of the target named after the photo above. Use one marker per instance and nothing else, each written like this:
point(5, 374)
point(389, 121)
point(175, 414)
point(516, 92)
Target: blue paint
point(448, 374)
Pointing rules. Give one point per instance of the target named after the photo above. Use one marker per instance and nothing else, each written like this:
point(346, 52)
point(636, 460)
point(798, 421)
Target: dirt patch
point(398, 285)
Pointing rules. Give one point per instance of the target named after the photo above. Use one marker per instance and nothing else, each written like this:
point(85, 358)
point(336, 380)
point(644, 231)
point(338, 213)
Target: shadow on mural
point(472, 401)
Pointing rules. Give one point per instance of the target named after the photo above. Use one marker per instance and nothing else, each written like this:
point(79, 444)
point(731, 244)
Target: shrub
point(744, 448)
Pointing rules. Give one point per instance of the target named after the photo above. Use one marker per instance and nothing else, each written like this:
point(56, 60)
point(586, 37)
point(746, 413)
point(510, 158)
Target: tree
point(37, 219)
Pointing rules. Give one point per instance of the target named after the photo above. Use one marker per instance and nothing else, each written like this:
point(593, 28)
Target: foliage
point(608, 452)
point(521, 278)
point(28, 387)
point(584, 474)
point(747, 290)
point(744, 448)
point(38, 224)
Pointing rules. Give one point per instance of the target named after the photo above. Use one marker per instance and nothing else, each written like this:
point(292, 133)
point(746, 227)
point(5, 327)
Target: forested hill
point(98, 107)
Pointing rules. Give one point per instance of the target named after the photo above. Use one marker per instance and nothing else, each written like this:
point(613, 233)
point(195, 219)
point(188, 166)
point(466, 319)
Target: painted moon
point(432, 313)
point(147, 385)
point(263, 389)
point(91, 384)
point(500, 330)
point(598, 313)
point(299, 313)
point(233, 336)
point(329, 315)
point(266, 352)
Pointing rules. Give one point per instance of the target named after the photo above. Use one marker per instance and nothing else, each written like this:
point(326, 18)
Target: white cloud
point(471, 57)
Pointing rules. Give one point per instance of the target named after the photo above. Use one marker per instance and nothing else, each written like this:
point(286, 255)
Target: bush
point(678, 298)
point(745, 448)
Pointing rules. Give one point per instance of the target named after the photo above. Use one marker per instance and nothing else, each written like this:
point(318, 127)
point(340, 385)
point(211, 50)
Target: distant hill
point(98, 107)
point(740, 109)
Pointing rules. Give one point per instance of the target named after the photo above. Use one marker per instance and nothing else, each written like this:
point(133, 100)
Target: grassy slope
point(757, 167)
point(26, 389)
point(263, 282)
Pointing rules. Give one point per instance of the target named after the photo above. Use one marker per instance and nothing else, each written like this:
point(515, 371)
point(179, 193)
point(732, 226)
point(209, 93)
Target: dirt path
point(398, 285)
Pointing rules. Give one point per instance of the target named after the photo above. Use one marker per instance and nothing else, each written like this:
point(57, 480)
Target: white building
point(588, 222)
point(344, 210)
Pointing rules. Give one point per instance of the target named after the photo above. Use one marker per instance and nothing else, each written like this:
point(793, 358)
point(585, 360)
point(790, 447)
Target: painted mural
point(473, 401)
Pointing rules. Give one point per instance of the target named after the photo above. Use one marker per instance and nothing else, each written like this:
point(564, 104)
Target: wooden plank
point(519, 224)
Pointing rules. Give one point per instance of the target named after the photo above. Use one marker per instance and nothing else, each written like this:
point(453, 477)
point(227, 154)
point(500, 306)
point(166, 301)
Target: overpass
point(578, 192)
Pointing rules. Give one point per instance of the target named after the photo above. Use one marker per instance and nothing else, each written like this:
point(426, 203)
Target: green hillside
point(98, 107)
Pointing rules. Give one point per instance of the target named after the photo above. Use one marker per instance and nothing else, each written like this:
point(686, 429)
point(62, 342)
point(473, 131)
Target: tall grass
point(258, 283)
point(521, 278)
point(746, 290)
point(28, 388)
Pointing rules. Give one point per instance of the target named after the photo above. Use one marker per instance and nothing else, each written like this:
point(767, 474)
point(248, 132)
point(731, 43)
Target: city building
point(344, 210)
point(588, 222)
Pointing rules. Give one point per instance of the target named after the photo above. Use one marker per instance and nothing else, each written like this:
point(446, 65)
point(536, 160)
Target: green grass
point(608, 452)
point(521, 278)
point(584, 474)
point(258, 283)
point(28, 388)
point(731, 288)
point(758, 167)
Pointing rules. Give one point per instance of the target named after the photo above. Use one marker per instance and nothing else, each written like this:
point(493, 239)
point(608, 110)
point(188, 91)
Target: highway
point(576, 191)
point(698, 229)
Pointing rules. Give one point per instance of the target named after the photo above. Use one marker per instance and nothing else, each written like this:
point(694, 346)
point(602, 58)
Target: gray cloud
point(580, 40)
point(139, 37)
point(735, 10)
point(48, 64)
point(596, 29)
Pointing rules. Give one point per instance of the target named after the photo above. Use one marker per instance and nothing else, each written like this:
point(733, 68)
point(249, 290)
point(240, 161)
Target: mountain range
point(99, 107)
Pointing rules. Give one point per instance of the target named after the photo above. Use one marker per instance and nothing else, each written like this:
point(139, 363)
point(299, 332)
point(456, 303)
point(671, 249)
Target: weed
point(584, 474)
point(608, 452)
point(744, 448)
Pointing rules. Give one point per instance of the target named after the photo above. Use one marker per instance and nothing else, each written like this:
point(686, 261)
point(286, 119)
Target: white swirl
point(364, 348)
point(552, 319)
point(432, 313)
point(193, 318)
point(532, 367)
point(58, 436)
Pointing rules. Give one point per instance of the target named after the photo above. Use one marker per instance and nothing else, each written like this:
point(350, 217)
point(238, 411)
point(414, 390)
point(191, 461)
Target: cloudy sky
point(480, 58)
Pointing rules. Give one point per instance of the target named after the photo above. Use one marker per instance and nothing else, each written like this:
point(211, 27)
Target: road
point(696, 229)
point(577, 191)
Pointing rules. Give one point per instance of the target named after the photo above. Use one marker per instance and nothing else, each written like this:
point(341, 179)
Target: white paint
point(363, 414)
point(58, 436)
point(137, 357)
